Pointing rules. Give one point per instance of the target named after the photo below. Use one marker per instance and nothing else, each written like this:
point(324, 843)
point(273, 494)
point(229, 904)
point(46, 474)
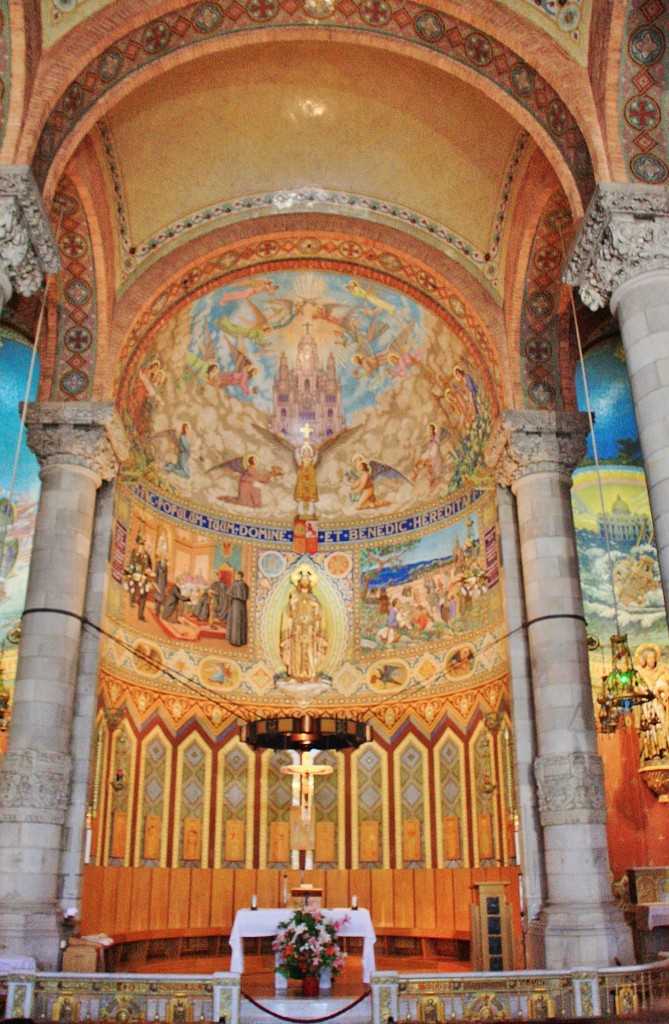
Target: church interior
point(334, 501)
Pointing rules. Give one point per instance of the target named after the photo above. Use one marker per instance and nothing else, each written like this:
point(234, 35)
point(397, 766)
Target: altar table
point(259, 923)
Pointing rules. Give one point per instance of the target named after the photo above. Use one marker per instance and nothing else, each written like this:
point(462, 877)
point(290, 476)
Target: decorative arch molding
point(402, 25)
point(642, 92)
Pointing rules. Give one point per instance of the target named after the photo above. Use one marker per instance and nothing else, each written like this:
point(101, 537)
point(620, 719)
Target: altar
point(262, 923)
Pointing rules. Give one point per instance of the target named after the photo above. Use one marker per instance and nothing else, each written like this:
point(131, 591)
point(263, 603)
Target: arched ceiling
point(282, 116)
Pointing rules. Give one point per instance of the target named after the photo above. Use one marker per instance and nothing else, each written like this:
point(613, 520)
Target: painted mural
point(19, 494)
point(306, 394)
point(631, 577)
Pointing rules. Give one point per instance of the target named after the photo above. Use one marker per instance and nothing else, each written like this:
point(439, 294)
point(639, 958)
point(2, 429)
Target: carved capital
point(570, 789)
point(34, 787)
point(531, 441)
point(28, 249)
point(88, 434)
point(625, 232)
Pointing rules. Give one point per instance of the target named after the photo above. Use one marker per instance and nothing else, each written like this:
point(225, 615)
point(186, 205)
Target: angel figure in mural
point(370, 296)
point(362, 481)
point(303, 640)
point(181, 465)
point(431, 460)
point(239, 377)
point(241, 317)
point(307, 456)
point(249, 495)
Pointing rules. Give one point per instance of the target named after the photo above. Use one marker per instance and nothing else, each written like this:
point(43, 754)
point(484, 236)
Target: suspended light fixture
point(623, 688)
point(305, 732)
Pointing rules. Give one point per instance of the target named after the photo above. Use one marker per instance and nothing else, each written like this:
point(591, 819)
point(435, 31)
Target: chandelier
point(622, 689)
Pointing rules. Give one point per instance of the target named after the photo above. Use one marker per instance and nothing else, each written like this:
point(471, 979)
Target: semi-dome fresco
point(307, 443)
point(308, 393)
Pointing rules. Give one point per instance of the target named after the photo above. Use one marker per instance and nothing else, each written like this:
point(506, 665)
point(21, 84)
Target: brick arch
point(400, 25)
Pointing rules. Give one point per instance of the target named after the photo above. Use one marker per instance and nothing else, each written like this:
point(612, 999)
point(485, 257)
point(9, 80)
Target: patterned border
point(5, 65)
point(320, 200)
point(403, 20)
point(540, 322)
point(644, 81)
point(77, 300)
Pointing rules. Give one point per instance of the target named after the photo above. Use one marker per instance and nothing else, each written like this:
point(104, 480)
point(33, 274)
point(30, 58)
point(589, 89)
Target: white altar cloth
point(259, 923)
point(16, 964)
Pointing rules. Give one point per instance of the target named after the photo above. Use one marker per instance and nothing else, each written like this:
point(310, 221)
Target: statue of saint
point(303, 639)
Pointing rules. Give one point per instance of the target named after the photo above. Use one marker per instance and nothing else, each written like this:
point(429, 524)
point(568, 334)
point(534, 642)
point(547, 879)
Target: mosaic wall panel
point(412, 819)
point(484, 781)
point(120, 797)
point(369, 805)
point(276, 809)
point(151, 841)
point(451, 802)
point(194, 794)
point(235, 806)
point(327, 809)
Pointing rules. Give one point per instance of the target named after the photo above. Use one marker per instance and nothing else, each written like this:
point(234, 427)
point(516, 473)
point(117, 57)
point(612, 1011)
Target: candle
point(254, 902)
point(354, 902)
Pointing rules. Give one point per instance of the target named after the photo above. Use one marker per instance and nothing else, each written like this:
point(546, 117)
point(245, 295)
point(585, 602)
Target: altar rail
point(143, 904)
point(523, 995)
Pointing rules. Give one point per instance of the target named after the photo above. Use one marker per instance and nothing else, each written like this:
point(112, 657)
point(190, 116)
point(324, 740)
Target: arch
point(378, 774)
point(451, 43)
point(450, 738)
point(412, 740)
point(234, 745)
point(192, 740)
point(158, 736)
point(644, 71)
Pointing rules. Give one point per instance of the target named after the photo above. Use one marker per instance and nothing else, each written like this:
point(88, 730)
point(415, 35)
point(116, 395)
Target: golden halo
point(303, 570)
point(246, 459)
point(648, 647)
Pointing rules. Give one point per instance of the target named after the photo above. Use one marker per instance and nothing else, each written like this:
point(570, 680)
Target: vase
point(325, 979)
point(310, 985)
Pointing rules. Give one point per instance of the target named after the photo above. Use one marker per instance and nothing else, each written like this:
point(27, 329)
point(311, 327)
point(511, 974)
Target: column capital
point(528, 441)
point(570, 788)
point(34, 786)
point(625, 232)
point(28, 248)
point(87, 434)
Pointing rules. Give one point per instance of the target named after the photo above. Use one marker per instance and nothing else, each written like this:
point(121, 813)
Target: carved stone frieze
point(34, 787)
point(28, 249)
point(531, 441)
point(570, 788)
point(625, 232)
point(88, 434)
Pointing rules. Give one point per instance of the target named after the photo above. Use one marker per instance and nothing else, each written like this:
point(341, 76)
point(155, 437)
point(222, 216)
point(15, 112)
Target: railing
point(429, 998)
point(523, 995)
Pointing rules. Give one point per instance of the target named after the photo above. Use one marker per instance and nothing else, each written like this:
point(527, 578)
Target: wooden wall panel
point(511, 875)
point(179, 897)
point(108, 903)
point(462, 896)
point(123, 899)
point(141, 898)
point(245, 886)
point(445, 901)
point(425, 900)
point(200, 898)
point(382, 898)
point(92, 889)
point(360, 885)
point(159, 910)
point(222, 894)
point(404, 915)
point(336, 889)
point(268, 882)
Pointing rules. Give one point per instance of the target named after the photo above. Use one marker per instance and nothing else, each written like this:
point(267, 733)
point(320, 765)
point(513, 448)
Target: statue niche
point(304, 643)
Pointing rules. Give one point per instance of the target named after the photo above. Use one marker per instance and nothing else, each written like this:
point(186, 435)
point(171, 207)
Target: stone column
point(524, 731)
point(622, 254)
point(28, 248)
point(85, 696)
point(78, 446)
point(535, 454)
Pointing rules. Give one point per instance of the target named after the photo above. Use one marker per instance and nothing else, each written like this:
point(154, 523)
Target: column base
point(585, 935)
point(31, 930)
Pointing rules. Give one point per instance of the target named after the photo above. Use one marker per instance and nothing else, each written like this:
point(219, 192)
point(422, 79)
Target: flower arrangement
point(307, 943)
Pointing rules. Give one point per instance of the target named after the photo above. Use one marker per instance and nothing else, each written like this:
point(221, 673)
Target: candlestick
point(354, 902)
point(254, 902)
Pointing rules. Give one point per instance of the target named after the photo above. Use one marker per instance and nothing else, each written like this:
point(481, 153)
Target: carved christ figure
point(303, 638)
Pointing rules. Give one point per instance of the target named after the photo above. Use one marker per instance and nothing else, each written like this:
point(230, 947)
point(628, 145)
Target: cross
point(307, 430)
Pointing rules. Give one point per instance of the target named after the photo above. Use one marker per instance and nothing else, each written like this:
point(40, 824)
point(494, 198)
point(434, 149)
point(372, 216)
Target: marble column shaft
point(622, 254)
point(78, 446)
point(535, 453)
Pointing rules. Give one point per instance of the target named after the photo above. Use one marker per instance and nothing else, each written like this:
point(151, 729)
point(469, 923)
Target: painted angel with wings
point(306, 456)
point(431, 460)
point(362, 481)
point(250, 475)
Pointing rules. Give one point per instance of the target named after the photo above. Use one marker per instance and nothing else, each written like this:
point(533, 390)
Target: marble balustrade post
point(622, 254)
point(78, 446)
point(535, 453)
